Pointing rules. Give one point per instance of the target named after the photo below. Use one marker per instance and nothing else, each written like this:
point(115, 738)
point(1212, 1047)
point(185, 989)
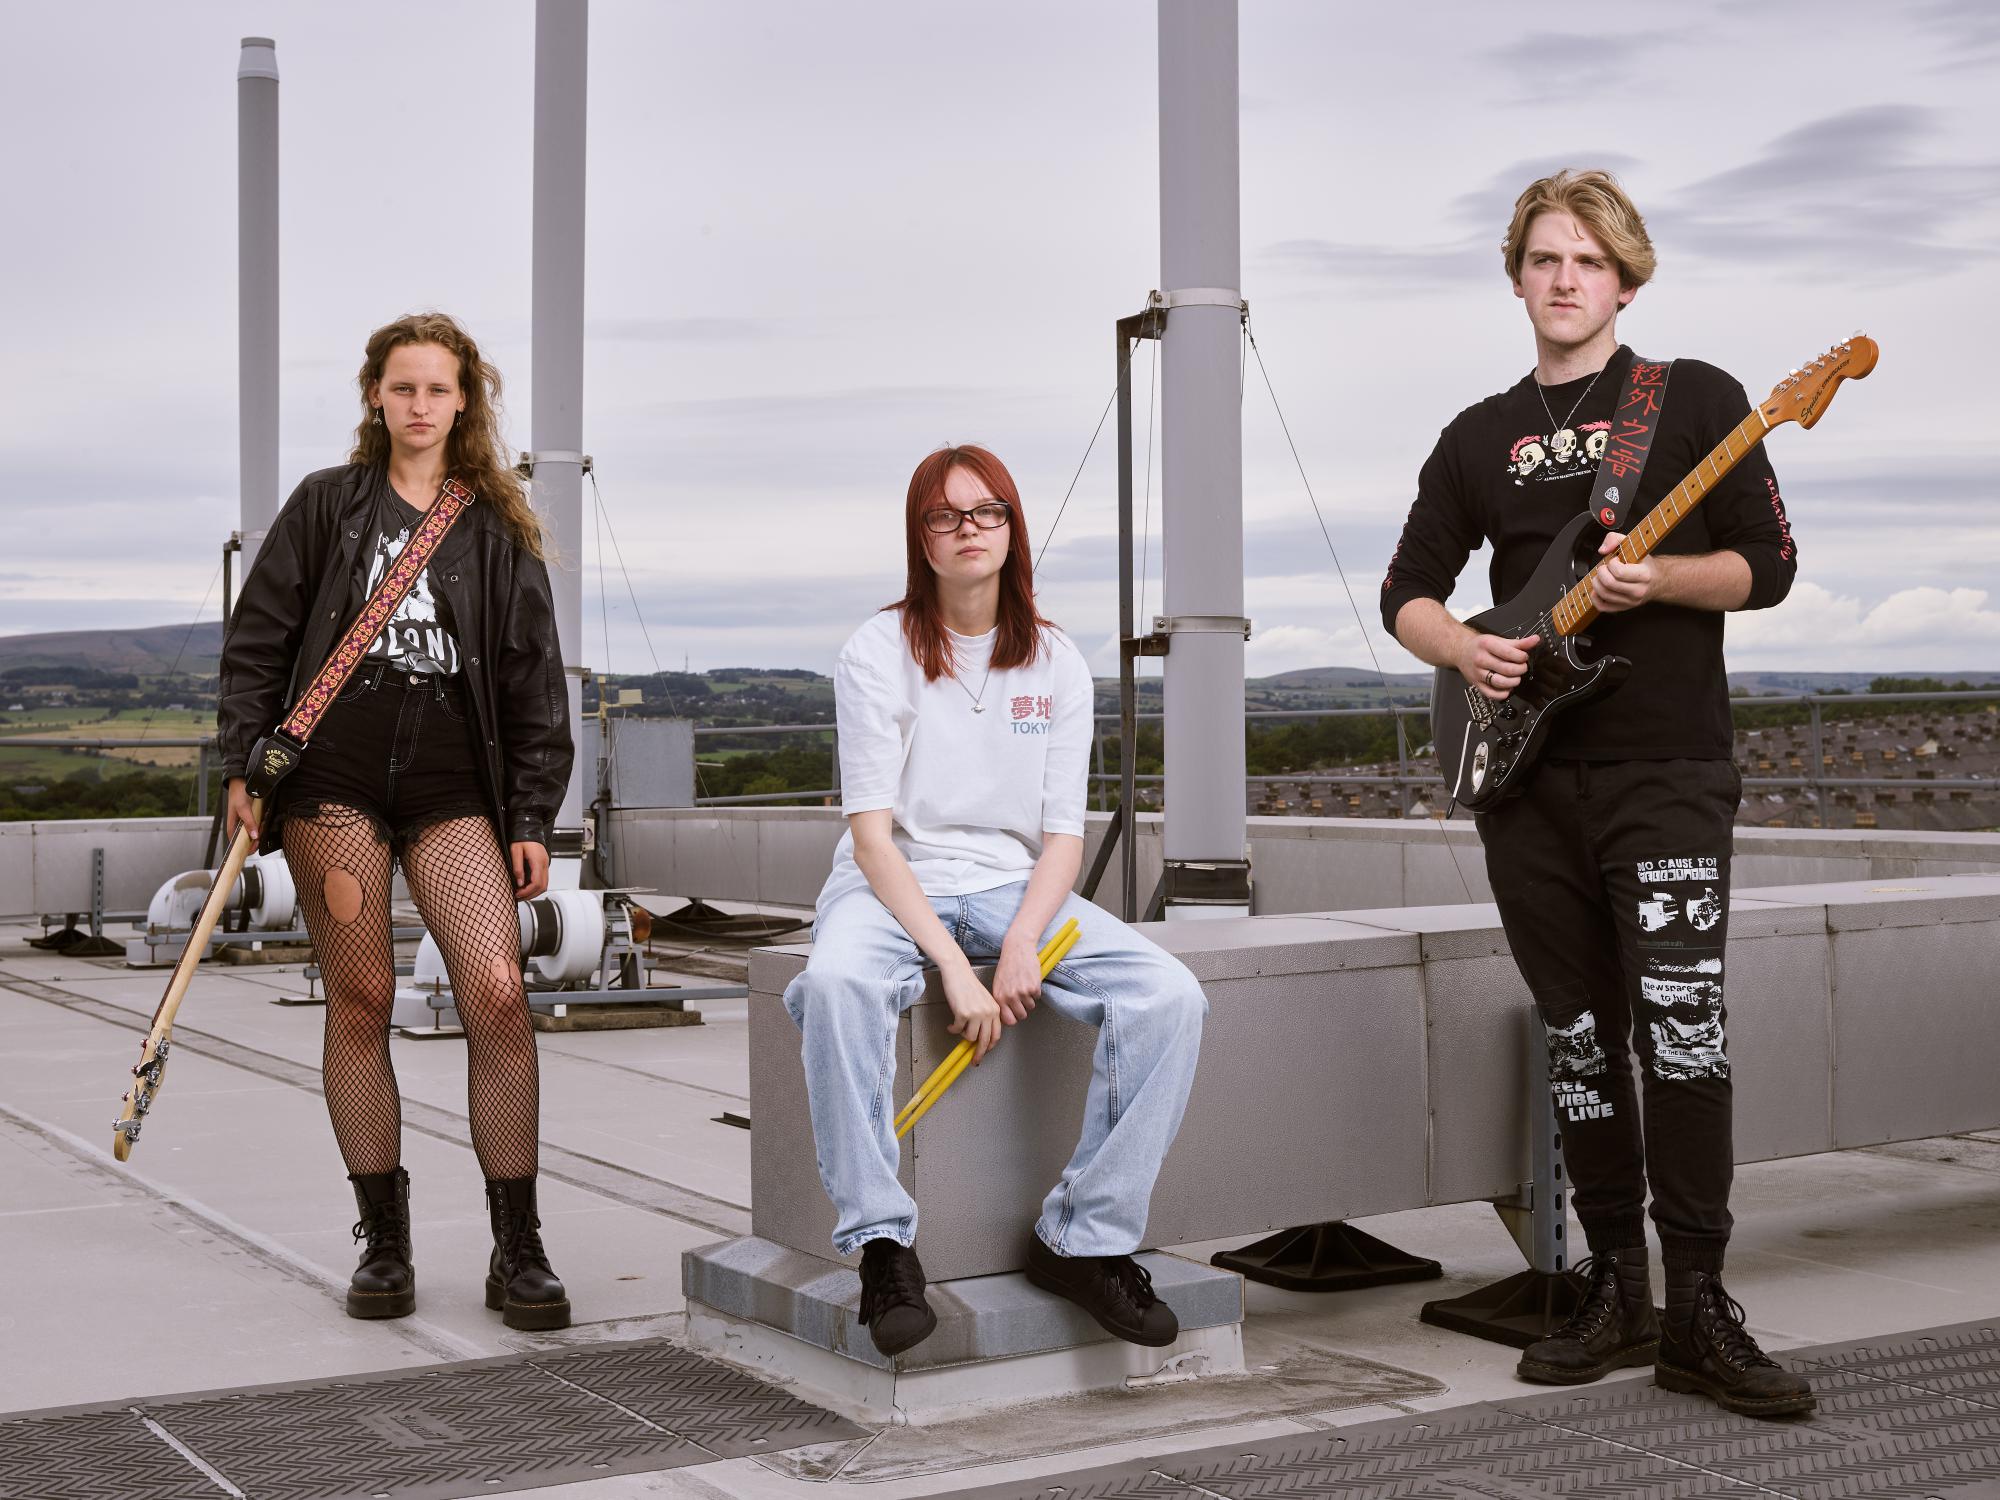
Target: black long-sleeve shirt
point(1500, 474)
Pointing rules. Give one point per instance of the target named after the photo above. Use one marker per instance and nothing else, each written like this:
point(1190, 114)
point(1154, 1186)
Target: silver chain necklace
point(1555, 426)
point(978, 706)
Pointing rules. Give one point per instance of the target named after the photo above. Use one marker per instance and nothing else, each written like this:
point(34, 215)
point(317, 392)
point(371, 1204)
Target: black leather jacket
point(295, 606)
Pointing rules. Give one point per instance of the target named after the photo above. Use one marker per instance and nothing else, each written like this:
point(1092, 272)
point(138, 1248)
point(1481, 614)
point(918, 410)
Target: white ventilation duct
point(264, 891)
point(562, 936)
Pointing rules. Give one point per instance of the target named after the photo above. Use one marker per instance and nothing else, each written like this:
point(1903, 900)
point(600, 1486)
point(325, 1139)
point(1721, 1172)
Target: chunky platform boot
point(1706, 1350)
point(1613, 1326)
point(384, 1284)
point(520, 1284)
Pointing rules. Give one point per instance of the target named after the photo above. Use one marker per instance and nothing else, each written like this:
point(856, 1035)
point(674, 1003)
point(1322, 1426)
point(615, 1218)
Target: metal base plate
point(1515, 1311)
point(479, 1428)
point(1329, 1257)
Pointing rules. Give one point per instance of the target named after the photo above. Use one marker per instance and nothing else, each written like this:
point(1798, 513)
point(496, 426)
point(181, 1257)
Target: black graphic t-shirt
point(1503, 472)
point(419, 636)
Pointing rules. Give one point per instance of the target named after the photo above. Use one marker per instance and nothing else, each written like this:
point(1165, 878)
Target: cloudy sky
point(825, 239)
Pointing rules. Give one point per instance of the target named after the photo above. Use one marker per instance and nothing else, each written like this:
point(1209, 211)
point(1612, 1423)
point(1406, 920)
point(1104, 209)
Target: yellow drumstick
point(942, 1076)
point(956, 1061)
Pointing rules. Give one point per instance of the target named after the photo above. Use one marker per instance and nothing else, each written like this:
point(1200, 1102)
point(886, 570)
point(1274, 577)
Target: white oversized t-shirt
point(972, 792)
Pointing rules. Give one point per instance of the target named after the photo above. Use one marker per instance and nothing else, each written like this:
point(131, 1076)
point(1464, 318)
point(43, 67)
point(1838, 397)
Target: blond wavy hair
point(1596, 201)
point(474, 454)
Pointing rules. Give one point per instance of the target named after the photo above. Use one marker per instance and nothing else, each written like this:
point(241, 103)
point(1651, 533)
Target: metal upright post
point(557, 462)
point(1818, 762)
point(1530, 1304)
point(1128, 687)
point(1207, 871)
point(257, 290)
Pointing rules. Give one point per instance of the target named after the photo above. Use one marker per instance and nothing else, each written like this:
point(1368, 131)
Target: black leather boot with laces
point(893, 1307)
point(384, 1284)
point(1706, 1350)
point(521, 1285)
point(1114, 1289)
point(1613, 1326)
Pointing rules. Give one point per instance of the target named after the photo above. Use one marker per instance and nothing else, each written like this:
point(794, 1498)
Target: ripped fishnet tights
point(341, 867)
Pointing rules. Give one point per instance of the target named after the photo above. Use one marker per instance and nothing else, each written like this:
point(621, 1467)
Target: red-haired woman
point(965, 731)
point(447, 752)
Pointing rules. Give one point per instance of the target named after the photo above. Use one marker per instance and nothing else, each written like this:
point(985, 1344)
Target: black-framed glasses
point(988, 517)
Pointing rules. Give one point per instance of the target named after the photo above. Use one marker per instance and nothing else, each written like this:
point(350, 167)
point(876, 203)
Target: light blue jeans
point(865, 972)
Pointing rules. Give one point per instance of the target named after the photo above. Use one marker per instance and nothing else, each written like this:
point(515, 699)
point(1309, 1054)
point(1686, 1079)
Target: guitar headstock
point(1802, 396)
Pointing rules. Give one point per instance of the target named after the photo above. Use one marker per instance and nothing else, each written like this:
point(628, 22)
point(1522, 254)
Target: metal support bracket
point(1200, 296)
point(529, 461)
point(1529, 1304)
point(1170, 625)
point(1206, 882)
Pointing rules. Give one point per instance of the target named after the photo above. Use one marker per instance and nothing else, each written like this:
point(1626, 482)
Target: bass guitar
point(1486, 747)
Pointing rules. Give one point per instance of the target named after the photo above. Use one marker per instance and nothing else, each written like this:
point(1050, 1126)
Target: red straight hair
point(1019, 641)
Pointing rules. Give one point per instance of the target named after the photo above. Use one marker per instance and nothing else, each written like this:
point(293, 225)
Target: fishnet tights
point(462, 887)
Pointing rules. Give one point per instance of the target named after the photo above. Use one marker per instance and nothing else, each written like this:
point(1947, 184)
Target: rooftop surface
point(217, 1257)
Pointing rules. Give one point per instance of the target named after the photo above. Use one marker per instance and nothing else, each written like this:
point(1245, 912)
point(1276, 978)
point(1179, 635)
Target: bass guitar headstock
point(1803, 395)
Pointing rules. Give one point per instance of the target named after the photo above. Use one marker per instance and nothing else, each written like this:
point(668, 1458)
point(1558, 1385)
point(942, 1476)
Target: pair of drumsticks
point(960, 1057)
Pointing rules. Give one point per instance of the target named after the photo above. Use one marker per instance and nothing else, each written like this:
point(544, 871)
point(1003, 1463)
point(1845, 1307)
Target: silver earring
point(378, 416)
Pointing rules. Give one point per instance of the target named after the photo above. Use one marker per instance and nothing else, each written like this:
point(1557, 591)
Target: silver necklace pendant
point(977, 700)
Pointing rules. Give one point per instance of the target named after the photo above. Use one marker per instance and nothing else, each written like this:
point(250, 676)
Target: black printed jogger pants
point(1612, 879)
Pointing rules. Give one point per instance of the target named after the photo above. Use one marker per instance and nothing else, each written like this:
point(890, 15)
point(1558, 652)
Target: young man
point(1611, 866)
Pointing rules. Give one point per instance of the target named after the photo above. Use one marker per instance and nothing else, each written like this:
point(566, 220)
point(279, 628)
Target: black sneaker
point(893, 1308)
point(1706, 1350)
point(1613, 1326)
point(1114, 1289)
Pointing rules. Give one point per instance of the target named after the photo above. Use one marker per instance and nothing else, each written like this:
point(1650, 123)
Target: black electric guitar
point(1485, 748)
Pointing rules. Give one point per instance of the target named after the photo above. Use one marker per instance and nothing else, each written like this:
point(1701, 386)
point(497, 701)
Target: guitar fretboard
point(1578, 606)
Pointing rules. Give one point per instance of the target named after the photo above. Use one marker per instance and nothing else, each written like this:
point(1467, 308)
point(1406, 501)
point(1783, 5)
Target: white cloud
point(796, 290)
point(1925, 628)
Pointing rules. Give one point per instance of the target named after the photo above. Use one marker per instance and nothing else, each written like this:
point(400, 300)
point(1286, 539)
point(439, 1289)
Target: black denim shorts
point(396, 747)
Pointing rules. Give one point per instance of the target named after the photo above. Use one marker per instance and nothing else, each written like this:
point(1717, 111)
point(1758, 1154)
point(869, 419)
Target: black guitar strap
point(1628, 442)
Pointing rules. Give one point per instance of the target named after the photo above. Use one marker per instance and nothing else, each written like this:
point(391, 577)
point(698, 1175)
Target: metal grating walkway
point(1912, 1417)
point(480, 1428)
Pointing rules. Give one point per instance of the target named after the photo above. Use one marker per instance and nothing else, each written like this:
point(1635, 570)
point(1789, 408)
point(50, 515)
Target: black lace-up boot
point(1114, 1289)
point(384, 1284)
point(521, 1285)
point(893, 1307)
point(1612, 1327)
point(1705, 1349)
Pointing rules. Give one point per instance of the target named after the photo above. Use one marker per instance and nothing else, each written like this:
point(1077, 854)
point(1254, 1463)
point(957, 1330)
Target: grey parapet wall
point(1364, 1062)
point(45, 866)
point(781, 855)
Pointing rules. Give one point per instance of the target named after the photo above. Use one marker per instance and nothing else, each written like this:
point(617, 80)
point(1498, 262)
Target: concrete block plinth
point(792, 1318)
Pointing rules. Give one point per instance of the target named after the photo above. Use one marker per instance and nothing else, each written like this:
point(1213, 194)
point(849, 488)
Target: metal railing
point(754, 799)
point(1407, 774)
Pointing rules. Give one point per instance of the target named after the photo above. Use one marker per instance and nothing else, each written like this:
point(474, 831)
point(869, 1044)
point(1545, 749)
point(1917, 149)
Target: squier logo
point(1031, 713)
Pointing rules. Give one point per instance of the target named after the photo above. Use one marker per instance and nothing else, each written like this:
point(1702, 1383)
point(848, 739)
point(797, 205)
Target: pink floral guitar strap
point(277, 754)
